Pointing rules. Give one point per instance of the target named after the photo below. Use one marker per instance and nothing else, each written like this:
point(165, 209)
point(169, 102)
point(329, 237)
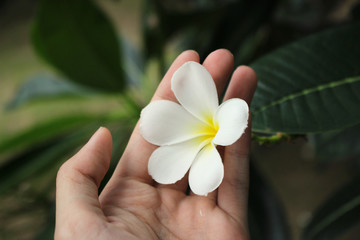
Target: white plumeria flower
point(189, 133)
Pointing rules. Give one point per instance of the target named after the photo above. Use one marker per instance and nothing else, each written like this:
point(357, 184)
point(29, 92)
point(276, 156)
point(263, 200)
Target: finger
point(78, 180)
point(242, 85)
point(233, 192)
point(133, 163)
point(220, 64)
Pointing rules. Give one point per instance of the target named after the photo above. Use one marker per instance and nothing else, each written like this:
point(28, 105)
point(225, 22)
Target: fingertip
point(164, 89)
point(220, 64)
point(220, 58)
point(101, 140)
point(185, 56)
point(93, 159)
point(222, 52)
point(248, 73)
point(190, 54)
point(243, 84)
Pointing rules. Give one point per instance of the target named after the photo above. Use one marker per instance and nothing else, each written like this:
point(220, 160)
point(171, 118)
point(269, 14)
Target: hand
point(132, 205)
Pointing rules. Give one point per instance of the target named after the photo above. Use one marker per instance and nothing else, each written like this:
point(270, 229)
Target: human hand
point(132, 205)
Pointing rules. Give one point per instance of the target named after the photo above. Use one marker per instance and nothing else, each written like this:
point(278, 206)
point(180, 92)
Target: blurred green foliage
point(308, 86)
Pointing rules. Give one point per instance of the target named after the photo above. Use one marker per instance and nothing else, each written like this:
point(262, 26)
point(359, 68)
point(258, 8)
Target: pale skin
point(132, 205)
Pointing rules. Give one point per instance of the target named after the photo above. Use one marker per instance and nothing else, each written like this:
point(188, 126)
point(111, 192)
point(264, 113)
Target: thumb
point(78, 180)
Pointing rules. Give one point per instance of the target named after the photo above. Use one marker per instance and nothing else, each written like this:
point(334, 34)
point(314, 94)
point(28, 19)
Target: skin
point(132, 205)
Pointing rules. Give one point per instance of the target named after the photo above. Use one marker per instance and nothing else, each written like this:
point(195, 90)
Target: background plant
point(309, 81)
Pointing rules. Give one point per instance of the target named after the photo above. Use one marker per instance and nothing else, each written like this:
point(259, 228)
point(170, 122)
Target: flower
point(189, 132)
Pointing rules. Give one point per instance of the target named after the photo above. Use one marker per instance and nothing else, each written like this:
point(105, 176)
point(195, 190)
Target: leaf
point(77, 39)
point(31, 161)
point(237, 23)
point(44, 132)
point(266, 217)
point(207, 25)
point(337, 215)
point(312, 85)
point(337, 145)
point(49, 229)
point(193, 6)
point(45, 86)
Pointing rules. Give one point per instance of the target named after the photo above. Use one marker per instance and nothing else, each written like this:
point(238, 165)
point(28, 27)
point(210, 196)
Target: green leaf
point(337, 145)
point(207, 25)
point(77, 39)
point(44, 132)
point(32, 161)
point(49, 229)
point(45, 86)
point(312, 85)
point(337, 215)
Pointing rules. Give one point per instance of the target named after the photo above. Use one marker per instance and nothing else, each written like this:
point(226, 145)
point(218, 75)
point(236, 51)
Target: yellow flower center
point(208, 131)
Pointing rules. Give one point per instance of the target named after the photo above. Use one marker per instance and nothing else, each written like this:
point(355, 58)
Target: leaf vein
point(308, 91)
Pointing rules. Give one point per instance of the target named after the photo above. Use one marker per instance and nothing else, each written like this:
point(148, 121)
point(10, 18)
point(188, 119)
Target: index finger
point(134, 160)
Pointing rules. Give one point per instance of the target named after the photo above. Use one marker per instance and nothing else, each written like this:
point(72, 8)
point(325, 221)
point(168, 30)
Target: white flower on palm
point(189, 132)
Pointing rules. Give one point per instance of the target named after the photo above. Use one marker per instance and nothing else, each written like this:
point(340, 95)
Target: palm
point(167, 213)
point(132, 205)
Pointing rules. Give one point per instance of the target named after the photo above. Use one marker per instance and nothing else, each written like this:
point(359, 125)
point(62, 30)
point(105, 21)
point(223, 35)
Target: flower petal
point(195, 89)
point(232, 119)
point(207, 171)
point(168, 164)
point(164, 122)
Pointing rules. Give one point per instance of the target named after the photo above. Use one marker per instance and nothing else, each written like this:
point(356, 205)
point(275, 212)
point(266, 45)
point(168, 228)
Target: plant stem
point(278, 137)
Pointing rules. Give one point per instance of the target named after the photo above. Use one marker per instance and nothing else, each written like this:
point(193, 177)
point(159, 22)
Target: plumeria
point(189, 132)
